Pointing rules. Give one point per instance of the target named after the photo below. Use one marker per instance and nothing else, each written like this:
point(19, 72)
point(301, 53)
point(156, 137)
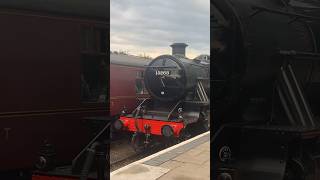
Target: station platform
point(184, 161)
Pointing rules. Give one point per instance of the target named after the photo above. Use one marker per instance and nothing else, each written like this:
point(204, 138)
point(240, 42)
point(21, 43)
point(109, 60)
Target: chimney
point(179, 49)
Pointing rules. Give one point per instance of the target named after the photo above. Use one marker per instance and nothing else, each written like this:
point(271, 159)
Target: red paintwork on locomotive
point(129, 124)
point(40, 87)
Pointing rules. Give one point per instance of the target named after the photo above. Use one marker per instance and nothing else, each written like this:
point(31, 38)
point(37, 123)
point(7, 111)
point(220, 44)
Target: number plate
point(162, 73)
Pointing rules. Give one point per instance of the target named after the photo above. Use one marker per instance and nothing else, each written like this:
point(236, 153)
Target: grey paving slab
point(156, 161)
point(187, 172)
point(201, 157)
point(172, 164)
point(140, 172)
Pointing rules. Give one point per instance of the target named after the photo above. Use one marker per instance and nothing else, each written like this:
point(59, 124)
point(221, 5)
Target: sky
point(149, 27)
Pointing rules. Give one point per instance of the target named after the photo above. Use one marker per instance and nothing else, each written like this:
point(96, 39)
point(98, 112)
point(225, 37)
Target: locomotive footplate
point(155, 126)
point(266, 152)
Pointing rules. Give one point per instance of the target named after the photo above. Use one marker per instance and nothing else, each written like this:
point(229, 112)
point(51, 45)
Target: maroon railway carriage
point(126, 82)
point(126, 88)
point(53, 73)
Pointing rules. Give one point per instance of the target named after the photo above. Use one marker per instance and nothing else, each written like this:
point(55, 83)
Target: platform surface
point(189, 160)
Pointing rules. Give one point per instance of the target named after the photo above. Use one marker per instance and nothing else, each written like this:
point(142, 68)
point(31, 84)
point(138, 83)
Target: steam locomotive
point(266, 72)
point(179, 100)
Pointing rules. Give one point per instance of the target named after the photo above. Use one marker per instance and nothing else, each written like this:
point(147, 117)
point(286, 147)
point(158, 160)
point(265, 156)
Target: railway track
point(122, 154)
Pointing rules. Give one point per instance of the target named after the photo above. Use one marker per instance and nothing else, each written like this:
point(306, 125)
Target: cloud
point(150, 26)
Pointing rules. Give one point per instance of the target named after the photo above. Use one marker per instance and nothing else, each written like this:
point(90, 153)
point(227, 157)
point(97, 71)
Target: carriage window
point(93, 40)
point(94, 71)
point(140, 75)
point(94, 79)
point(140, 87)
point(86, 39)
point(102, 36)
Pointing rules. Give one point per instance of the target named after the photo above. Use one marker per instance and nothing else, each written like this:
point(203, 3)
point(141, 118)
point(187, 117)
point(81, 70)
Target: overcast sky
point(150, 26)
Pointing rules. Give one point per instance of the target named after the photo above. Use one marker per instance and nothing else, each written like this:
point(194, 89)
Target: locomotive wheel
point(206, 125)
point(200, 127)
point(184, 135)
point(137, 142)
point(168, 142)
point(204, 122)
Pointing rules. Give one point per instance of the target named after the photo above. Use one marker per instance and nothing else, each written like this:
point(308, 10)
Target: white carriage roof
point(128, 60)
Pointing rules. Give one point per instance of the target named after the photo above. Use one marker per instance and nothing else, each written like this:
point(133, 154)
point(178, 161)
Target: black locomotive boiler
point(179, 99)
point(266, 89)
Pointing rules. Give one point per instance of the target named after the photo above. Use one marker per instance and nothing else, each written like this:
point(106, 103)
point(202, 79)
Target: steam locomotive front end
point(178, 89)
point(165, 78)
